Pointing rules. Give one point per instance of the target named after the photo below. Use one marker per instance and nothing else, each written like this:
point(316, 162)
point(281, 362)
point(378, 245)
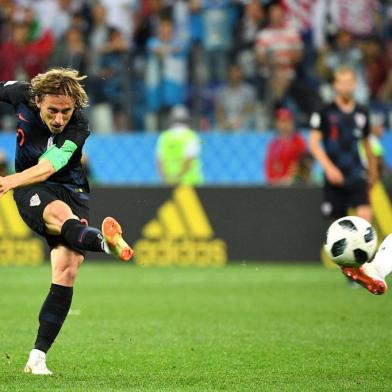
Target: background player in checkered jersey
point(51, 190)
point(336, 132)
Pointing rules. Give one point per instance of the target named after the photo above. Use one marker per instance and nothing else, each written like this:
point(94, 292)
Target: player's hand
point(5, 185)
point(334, 176)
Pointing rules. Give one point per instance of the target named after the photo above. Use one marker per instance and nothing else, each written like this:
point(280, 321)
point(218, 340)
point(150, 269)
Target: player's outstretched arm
point(35, 174)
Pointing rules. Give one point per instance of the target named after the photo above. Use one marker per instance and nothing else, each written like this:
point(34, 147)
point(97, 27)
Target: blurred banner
point(207, 226)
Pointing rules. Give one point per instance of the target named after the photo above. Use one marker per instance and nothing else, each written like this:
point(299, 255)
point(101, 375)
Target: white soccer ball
point(351, 241)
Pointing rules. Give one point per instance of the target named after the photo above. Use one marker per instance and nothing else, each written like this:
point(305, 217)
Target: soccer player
point(334, 138)
point(52, 192)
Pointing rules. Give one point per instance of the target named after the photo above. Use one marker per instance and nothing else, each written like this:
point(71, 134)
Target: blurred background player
point(336, 133)
point(284, 152)
point(178, 151)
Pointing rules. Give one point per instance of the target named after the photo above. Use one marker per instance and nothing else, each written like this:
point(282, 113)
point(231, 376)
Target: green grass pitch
point(253, 327)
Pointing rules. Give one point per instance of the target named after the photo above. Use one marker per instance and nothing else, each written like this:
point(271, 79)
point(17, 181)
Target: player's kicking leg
point(60, 220)
point(87, 238)
point(372, 275)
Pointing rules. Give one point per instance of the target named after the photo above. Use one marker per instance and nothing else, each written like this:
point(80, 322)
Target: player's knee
point(56, 213)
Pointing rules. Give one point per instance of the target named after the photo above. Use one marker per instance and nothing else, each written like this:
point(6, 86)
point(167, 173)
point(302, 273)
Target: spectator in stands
point(278, 45)
point(376, 67)
point(98, 37)
point(345, 52)
point(71, 51)
point(22, 59)
point(55, 15)
point(79, 21)
point(101, 113)
point(235, 103)
point(166, 74)
point(294, 94)
point(244, 37)
point(120, 15)
point(179, 150)
point(384, 92)
point(114, 70)
point(216, 38)
point(361, 18)
point(59, 19)
point(6, 17)
point(205, 37)
point(285, 151)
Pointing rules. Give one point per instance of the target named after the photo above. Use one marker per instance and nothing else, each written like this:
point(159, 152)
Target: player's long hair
point(60, 81)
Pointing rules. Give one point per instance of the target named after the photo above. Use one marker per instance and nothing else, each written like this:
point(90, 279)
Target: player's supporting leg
point(60, 220)
point(372, 275)
point(65, 264)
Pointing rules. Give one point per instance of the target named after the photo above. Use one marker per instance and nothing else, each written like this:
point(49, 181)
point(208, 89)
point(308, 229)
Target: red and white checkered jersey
point(299, 13)
point(278, 43)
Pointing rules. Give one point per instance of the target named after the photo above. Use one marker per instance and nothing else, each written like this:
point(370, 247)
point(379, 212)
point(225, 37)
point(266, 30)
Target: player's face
point(56, 111)
point(345, 84)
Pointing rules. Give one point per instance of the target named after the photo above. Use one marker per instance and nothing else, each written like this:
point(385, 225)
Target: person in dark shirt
point(51, 190)
point(334, 142)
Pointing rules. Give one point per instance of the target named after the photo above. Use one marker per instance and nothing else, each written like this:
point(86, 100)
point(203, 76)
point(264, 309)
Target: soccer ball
point(351, 241)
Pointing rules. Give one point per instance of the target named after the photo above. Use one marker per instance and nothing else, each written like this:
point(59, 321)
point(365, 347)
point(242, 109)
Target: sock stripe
point(81, 238)
point(82, 234)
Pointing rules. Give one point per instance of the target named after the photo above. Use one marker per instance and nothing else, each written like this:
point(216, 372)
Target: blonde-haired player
point(52, 192)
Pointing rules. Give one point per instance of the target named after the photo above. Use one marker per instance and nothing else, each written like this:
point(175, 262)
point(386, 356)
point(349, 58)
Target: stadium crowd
point(231, 62)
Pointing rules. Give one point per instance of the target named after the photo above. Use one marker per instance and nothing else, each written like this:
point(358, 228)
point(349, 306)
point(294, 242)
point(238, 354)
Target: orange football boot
point(112, 234)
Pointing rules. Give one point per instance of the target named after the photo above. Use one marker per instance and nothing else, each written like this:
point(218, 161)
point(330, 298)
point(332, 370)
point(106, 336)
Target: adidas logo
point(181, 234)
point(35, 200)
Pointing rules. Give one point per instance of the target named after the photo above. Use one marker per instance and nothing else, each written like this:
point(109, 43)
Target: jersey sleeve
point(317, 122)
point(14, 92)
